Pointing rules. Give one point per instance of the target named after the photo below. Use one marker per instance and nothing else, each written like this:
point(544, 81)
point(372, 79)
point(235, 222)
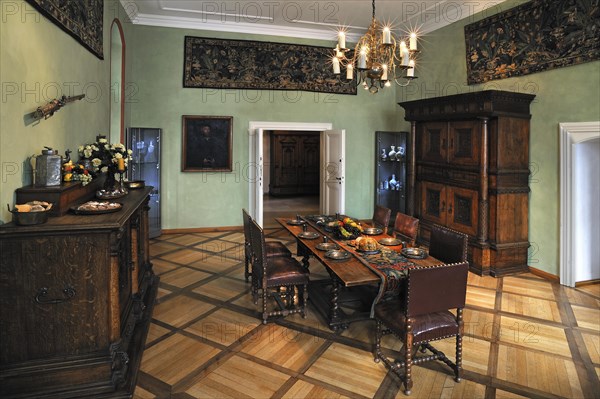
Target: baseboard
point(588, 282)
point(201, 230)
point(545, 275)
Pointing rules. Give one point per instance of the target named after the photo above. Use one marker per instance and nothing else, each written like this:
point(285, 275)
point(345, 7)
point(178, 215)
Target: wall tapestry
point(81, 19)
point(533, 37)
point(242, 64)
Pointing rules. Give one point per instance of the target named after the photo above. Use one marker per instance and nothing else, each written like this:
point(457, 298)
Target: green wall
point(191, 200)
point(40, 62)
point(570, 94)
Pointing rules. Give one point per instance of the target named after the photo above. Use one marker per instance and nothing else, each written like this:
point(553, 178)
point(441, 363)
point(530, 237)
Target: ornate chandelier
point(378, 58)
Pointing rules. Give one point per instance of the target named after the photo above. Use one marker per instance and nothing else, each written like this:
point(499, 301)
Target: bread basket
point(29, 218)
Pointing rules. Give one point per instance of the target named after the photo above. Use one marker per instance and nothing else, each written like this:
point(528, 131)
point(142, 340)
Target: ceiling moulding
point(434, 17)
point(237, 27)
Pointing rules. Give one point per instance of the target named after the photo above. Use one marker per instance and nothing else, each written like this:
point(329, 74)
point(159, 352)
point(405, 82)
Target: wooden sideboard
point(76, 296)
point(469, 170)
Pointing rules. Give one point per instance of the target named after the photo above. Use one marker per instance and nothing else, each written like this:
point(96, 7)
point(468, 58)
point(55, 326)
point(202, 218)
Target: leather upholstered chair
point(274, 248)
point(421, 315)
point(381, 217)
point(274, 273)
point(447, 245)
point(406, 228)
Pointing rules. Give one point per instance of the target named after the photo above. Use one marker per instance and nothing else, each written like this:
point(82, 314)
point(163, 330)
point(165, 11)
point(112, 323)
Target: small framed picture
point(206, 143)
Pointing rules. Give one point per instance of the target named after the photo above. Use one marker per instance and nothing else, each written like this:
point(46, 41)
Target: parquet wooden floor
point(525, 337)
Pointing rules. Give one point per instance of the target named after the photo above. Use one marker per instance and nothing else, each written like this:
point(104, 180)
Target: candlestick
point(350, 72)
point(410, 72)
point(413, 41)
point(387, 35)
point(342, 40)
point(121, 164)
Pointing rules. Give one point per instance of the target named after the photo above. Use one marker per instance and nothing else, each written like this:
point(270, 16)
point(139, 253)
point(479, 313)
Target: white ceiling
point(302, 18)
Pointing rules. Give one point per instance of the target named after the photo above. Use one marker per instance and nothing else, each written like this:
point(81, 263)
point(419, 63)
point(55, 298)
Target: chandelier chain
point(373, 9)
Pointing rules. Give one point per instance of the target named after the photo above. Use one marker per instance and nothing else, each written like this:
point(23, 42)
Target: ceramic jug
point(392, 154)
point(383, 155)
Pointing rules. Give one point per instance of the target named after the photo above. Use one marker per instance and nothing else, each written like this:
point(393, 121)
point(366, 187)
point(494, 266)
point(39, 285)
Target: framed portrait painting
point(206, 143)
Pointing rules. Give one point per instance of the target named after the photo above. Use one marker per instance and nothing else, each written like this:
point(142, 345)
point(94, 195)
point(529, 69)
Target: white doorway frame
point(570, 135)
point(252, 128)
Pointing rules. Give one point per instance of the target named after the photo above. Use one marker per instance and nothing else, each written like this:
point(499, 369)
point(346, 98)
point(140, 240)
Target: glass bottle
point(393, 183)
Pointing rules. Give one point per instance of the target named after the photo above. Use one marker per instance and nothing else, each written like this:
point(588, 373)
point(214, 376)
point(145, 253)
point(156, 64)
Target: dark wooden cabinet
point(295, 158)
point(388, 170)
point(470, 172)
point(76, 295)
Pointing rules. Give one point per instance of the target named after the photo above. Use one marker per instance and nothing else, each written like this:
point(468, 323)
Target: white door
point(333, 149)
point(255, 175)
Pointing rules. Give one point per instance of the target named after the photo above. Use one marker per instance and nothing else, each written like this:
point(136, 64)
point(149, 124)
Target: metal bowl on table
point(338, 254)
point(136, 184)
point(389, 241)
point(372, 231)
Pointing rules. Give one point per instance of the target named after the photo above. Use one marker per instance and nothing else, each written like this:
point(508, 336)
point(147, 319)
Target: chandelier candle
point(404, 53)
point(350, 72)
point(341, 40)
point(387, 35)
point(410, 72)
point(413, 41)
point(336, 65)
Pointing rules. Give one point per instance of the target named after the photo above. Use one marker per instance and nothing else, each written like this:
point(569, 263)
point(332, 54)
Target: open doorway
point(291, 174)
point(331, 169)
point(579, 233)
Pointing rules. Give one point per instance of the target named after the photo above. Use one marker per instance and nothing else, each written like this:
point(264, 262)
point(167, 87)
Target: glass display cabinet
point(145, 165)
point(391, 170)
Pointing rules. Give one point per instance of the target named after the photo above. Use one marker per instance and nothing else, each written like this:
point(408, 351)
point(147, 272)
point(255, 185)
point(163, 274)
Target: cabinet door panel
point(310, 155)
point(433, 203)
point(286, 167)
point(464, 142)
point(432, 142)
point(462, 210)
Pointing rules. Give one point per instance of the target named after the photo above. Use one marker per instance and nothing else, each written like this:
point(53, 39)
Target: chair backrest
point(381, 216)
point(436, 288)
point(247, 221)
point(448, 245)
point(259, 253)
point(406, 227)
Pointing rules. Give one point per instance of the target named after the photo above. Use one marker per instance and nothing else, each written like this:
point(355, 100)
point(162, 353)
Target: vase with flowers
point(111, 159)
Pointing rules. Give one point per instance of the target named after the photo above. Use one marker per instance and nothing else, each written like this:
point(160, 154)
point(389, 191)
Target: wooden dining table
point(348, 295)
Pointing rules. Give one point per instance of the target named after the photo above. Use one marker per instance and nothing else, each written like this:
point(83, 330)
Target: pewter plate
point(415, 253)
point(295, 222)
point(372, 231)
point(389, 241)
point(338, 254)
point(327, 246)
point(309, 235)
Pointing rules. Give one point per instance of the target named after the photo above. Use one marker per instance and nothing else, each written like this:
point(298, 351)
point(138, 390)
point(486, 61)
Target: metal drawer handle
point(41, 297)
